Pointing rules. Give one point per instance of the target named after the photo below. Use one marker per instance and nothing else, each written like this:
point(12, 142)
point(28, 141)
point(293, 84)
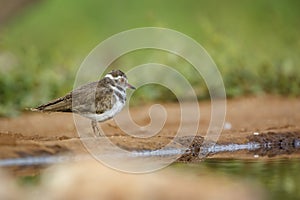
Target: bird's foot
point(96, 129)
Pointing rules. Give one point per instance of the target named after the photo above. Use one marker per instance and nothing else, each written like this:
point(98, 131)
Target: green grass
point(256, 45)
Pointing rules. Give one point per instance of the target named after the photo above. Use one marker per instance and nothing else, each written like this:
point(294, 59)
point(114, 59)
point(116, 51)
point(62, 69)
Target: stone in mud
point(276, 143)
point(194, 145)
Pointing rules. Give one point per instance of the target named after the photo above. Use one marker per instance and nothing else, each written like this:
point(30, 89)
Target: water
point(157, 154)
point(280, 178)
point(266, 168)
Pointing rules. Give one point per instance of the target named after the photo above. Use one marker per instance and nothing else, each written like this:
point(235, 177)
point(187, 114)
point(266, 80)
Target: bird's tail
point(62, 104)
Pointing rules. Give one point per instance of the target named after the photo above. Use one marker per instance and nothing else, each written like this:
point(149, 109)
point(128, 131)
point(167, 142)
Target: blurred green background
point(254, 43)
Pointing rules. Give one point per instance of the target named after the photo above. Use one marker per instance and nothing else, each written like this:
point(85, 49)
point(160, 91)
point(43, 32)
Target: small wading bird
point(98, 101)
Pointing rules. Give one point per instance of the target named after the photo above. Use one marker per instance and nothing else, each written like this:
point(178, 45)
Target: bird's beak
point(130, 86)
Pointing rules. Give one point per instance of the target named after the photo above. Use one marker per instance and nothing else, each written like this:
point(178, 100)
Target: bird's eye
point(122, 80)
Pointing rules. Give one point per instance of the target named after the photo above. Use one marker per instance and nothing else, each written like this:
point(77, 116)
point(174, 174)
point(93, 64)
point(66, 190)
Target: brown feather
point(95, 97)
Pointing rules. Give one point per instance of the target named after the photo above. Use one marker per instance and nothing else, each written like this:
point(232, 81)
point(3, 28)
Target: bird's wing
point(92, 98)
point(65, 103)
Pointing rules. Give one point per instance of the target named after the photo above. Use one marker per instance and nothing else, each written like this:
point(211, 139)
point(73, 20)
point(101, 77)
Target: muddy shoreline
point(270, 124)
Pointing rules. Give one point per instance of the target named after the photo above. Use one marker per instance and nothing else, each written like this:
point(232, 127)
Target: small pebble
point(256, 156)
point(256, 133)
point(227, 126)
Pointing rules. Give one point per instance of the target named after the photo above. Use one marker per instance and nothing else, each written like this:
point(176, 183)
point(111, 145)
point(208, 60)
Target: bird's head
point(119, 78)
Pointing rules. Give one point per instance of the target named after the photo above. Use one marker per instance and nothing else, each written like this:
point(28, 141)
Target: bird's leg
point(95, 128)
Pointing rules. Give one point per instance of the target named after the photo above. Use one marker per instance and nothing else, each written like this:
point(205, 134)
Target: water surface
point(279, 177)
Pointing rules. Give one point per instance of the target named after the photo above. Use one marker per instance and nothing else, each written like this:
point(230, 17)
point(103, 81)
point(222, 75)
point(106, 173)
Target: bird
point(99, 101)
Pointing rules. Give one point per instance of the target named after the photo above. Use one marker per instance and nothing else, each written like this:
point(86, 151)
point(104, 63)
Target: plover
point(98, 101)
